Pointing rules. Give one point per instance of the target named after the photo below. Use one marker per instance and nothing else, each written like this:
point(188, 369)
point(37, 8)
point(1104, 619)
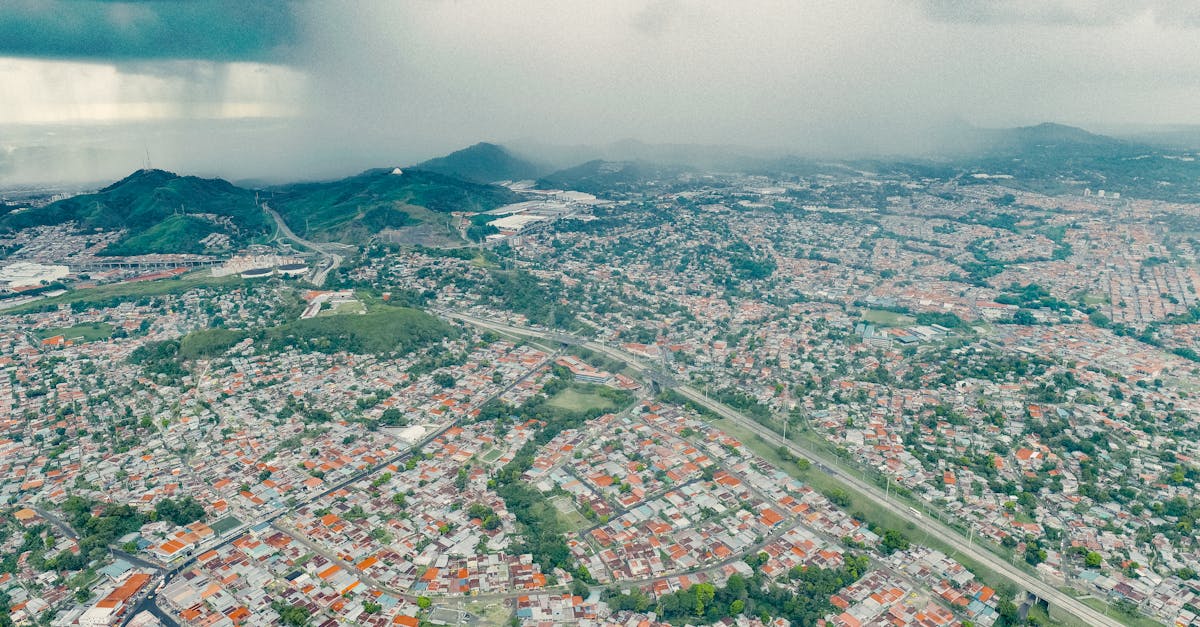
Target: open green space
point(225, 524)
point(887, 318)
point(1129, 619)
point(353, 307)
point(383, 330)
point(580, 397)
point(115, 293)
point(567, 513)
point(490, 455)
point(89, 332)
point(494, 613)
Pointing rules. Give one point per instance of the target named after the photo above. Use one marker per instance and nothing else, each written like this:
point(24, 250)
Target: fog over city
point(286, 90)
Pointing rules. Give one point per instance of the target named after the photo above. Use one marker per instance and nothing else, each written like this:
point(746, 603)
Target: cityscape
point(585, 383)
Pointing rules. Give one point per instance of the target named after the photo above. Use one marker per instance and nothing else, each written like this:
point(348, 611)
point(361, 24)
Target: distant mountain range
point(165, 212)
point(484, 163)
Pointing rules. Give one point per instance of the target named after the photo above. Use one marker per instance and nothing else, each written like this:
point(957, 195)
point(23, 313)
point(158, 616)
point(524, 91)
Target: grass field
point(491, 455)
point(1133, 621)
point(579, 398)
point(102, 293)
point(480, 261)
point(887, 318)
point(225, 524)
point(353, 307)
point(570, 517)
point(494, 613)
point(89, 332)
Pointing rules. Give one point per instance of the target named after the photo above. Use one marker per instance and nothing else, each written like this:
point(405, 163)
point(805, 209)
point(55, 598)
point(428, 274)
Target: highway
point(332, 261)
point(1055, 597)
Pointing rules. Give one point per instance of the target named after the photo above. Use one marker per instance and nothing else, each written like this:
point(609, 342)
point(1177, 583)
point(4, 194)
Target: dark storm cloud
point(214, 30)
point(1173, 13)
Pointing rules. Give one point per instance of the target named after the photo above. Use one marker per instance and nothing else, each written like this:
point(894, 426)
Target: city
point(635, 313)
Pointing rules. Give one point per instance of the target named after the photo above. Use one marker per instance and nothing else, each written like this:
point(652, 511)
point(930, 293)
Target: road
point(1043, 590)
point(330, 263)
point(149, 601)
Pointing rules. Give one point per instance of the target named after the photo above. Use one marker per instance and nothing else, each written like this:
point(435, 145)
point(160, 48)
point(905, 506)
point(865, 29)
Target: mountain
point(606, 177)
point(1055, 159)
point(161, 212)
point(355, 208)
point(1058, 140)
point(483, 163)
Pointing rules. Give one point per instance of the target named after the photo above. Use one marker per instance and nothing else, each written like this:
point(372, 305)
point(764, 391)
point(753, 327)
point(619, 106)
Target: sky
point(292, 89)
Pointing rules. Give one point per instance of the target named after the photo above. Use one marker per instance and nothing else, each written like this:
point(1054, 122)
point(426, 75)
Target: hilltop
point(483, 163)
point(357, 207)
point(161, 211)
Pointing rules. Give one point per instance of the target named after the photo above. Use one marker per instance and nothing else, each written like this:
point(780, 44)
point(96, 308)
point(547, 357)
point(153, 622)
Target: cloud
point(366, 83)
point(1084, 13)
point(215, 30)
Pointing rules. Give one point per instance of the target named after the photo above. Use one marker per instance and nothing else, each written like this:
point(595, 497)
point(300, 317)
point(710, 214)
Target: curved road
point(318, 275)
point(1043, 590)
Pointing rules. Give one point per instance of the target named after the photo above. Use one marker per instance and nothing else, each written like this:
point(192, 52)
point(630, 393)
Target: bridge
point(120, 263)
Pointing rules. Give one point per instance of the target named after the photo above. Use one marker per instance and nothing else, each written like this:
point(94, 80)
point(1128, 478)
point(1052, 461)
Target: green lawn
point(126, 291)
point(580, 398)
point(570, 517)
point(481, 261)
point(887, 318)
point(1133, 621)
point(225, 524)
point(353, 307)
point(89, 332)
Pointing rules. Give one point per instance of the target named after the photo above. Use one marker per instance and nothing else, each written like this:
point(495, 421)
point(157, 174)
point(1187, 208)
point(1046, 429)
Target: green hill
point(162, 212)
point(354, 208)
point(483, 163)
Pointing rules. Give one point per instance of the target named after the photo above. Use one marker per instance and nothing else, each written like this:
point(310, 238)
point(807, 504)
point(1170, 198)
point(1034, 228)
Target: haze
point(288, 90)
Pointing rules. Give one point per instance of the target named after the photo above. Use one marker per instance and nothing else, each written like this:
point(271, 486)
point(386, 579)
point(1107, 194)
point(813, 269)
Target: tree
point(1093, 559)
point(894, 541)
point(424, 603)
point(293, 615)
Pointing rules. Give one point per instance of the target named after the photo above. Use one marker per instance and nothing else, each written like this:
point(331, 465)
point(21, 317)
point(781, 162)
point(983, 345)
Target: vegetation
point(542, 529)
point(580, 397)
point(160, 211)
point(482, 163)
point(208, 343)
point(293, 615)
point(384, 330)
point(184, 511)
point(90, 332)
point(114, 294)
point(803, 602)
point(355, 208)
